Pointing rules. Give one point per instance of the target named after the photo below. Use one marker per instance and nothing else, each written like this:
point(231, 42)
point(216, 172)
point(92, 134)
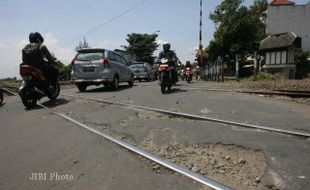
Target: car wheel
point(115, 83)
point(131, 82)
point(81, 87)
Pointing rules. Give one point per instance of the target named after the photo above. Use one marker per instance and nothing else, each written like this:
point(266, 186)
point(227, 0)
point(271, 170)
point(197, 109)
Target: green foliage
point(82, 44)
point(64, 71)
point(10, 80)
point(302, 63)
point(142, 45)
point(261, 76)
point(238, 29)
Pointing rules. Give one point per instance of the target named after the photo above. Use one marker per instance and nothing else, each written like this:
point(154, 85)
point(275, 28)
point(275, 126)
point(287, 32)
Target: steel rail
point(5, 89)
point(196, 117)
point(290, 93)
point(179, 169)
point(297, 94)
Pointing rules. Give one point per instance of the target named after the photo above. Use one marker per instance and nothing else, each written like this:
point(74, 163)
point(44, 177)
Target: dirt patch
point(235, 166)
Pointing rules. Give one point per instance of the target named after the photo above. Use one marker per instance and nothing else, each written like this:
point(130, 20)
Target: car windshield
point(89, 56)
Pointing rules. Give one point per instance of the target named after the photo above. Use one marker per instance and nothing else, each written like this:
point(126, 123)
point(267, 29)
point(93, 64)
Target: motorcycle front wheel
point(163, 89)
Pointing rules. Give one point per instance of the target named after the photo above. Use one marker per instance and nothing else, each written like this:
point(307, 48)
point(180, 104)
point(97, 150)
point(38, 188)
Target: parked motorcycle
point(35, 86)
point(189, 74)
point(165, 78)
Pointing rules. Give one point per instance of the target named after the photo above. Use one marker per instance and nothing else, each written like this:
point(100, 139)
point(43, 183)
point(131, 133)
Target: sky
point(104, 23)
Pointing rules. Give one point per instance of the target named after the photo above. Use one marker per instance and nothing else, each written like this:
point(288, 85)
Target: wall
point(292, 18)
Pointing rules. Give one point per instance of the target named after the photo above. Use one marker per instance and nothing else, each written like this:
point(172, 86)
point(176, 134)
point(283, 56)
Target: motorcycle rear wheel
point(29, 102)
point(56, 92)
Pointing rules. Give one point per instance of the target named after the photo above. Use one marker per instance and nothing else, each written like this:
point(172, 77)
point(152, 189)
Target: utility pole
point(200, 34)
point(237, 67)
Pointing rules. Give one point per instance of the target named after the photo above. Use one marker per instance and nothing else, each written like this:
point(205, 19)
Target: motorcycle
point(189, 74)
point(35, 86)
point(1, 95)
point(165, 78)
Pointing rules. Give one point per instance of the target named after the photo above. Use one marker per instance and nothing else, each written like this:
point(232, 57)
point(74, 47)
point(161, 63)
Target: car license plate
point(88, 69)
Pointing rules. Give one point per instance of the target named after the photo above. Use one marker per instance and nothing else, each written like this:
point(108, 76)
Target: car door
point(115, 64)
point(122, 66)
point(128, 70)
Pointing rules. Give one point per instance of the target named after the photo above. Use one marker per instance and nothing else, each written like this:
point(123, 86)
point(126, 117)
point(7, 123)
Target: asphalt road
point(38, 141)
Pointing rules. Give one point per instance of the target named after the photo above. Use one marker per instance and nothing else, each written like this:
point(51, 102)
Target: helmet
point(35, 37)
point(166, 47)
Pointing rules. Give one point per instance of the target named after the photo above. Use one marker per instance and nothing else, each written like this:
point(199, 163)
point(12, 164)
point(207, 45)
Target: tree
point(142, 45)
point(64, 71)
point(82, 44)
point(302, 63)
point(238, 29)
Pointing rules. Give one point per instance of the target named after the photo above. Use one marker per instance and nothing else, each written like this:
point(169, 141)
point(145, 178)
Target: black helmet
point(166, 46)
point(35, 37)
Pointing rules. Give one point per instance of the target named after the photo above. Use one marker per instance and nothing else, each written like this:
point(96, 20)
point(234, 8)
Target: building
point(279, 53)
point(287, 27)
point(284, 16)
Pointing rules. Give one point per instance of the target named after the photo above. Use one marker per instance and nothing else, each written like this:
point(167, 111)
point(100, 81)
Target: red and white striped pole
point(200, 33)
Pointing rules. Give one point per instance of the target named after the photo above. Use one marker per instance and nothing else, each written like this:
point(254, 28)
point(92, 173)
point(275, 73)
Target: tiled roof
point(281, 2)
point(279, 41)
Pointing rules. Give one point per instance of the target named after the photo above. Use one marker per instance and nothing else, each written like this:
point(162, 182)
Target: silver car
point(100, 66)
point(143, 70)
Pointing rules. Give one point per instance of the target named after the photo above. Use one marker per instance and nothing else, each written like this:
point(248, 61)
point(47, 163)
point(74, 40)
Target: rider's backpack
point(31, 54)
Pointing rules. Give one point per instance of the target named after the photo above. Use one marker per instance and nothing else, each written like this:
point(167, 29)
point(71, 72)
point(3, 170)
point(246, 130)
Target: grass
point(261, 76)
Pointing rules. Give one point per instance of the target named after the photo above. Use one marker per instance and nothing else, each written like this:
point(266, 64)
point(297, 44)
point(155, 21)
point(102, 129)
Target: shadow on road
point(54, 103)
point(108, 89)
point(175, 90)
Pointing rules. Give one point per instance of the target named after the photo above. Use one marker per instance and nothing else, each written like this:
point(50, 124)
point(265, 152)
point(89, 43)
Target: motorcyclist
point(188, 65)
point(44, 60)
point(172, 57)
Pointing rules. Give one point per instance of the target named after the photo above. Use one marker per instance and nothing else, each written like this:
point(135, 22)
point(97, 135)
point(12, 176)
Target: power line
point(131, 9)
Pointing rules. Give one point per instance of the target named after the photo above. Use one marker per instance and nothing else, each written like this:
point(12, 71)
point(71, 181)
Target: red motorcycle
point(189, 74)
point(35, 86)
point(165, 78)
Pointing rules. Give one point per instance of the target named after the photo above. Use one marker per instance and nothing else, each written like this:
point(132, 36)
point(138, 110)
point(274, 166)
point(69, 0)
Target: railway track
point(191, 116)
point(197, 117)
point(277, 92)
point(172, 166)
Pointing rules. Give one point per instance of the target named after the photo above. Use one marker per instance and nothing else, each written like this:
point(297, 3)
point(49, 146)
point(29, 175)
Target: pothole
point(232, 165)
